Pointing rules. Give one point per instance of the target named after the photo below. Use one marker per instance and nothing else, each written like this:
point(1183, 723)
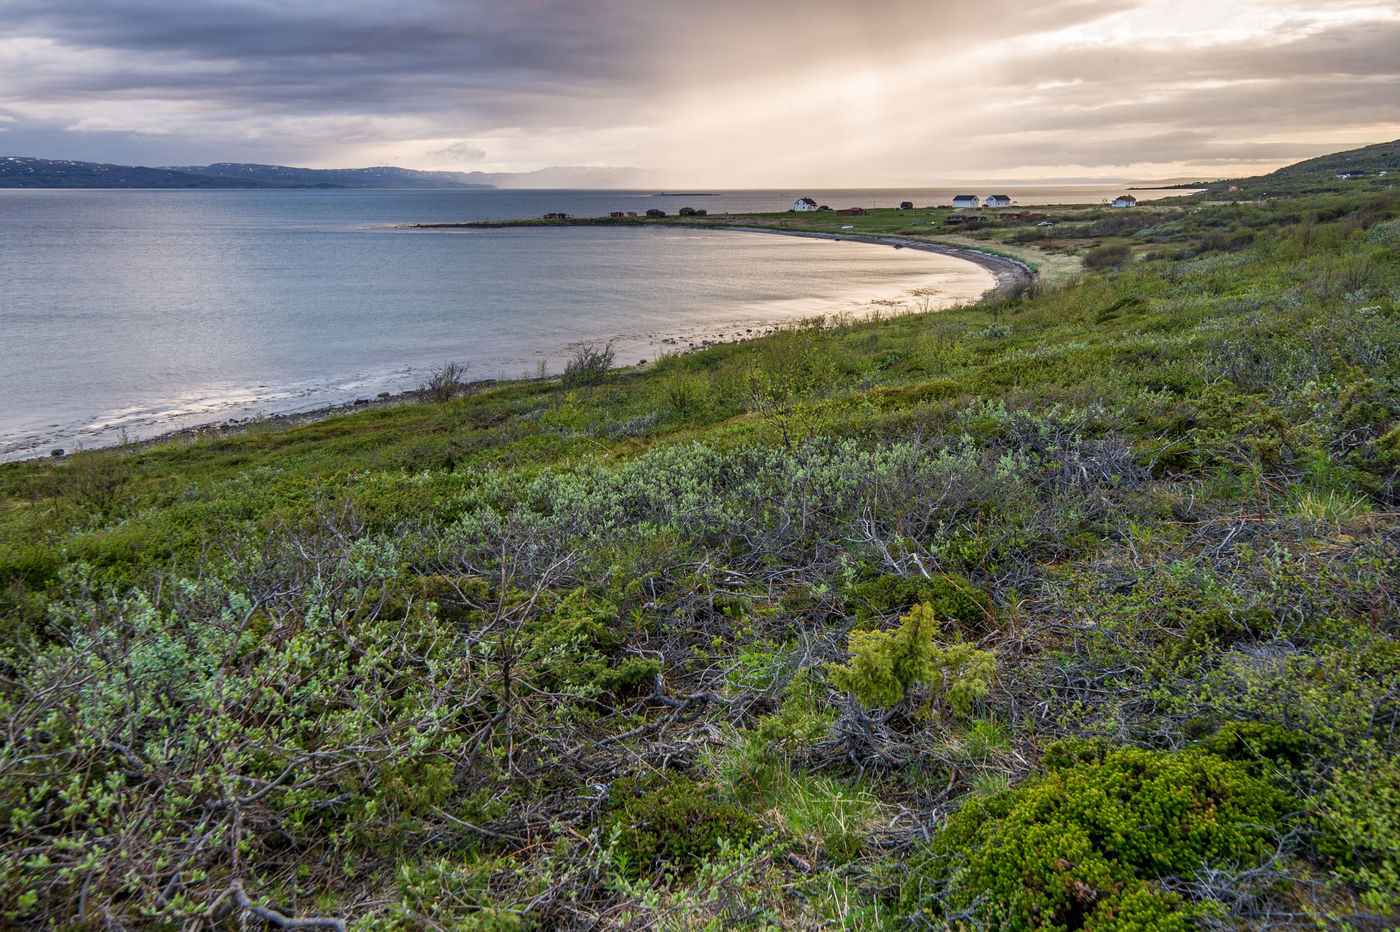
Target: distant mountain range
point(17, 172)
point(283, 176)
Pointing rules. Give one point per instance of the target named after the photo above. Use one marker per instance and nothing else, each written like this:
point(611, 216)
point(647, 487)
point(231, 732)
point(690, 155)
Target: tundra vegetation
point(1078, 609)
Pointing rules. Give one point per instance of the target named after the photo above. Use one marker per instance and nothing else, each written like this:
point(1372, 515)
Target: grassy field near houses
point(1074, 609)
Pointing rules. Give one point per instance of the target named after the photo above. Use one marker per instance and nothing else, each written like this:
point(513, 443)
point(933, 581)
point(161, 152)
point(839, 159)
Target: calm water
point(140, 312)
point(145, 311)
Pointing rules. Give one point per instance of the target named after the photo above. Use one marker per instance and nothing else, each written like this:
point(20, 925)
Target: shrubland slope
point(1073, 609)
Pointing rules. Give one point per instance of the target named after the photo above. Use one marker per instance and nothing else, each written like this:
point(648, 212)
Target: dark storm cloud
point(316, 57)
point(494, 57)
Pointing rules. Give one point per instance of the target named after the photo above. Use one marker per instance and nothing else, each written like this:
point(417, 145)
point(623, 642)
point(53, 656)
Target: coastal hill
point(16, 172)
point(19, 172)
point(1373, 167)
point(382, 176)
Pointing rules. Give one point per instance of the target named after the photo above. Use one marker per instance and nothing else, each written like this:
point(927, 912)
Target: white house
point(805, 203)
point(966, 200)
point(999, 200)
point(1125, 200)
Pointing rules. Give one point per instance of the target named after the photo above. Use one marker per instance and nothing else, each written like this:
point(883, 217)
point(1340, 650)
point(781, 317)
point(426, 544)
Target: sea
point(127, 314)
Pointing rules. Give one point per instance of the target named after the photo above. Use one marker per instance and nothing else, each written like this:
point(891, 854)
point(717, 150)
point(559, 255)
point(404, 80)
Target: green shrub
point(589, 366)
point(576, 645)
point(950, 596)
point(885, 665)
point(1259, 745)
point(1107, 256)
point(667, 828)
point(1358, 818)
point(686, 394)
point(1084, 845)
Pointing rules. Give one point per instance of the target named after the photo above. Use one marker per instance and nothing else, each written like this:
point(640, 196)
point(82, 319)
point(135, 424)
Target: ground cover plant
point(1069, 610)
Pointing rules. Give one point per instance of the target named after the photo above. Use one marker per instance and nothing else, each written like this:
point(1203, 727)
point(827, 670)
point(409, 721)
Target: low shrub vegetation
point(1070, 610)
point(1098, 841)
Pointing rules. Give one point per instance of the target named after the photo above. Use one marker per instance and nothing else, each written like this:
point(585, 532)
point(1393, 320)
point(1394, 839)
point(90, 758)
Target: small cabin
point(617, 215)
point(804, 203)
point(556, 216)
point(906, 205)
point(966, 200)
point(655, 213)
point(1125, 200)
point(852, 212)
point(999, 200)
point(686, 212)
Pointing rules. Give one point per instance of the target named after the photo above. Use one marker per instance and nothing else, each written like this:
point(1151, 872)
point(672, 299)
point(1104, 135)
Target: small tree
point(444, 382)
point(885, 665)
point(589, 366)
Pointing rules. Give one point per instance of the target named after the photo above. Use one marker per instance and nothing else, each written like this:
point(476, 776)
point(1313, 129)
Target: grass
point(394, 667)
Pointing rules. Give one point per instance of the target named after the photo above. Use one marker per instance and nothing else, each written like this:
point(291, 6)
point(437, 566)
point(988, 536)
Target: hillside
point(1074, 609)
point(1370, 168)
point(18, 172)
point(378, 177)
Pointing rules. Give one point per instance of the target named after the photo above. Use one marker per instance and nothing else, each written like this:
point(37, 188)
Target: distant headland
point(23, 172)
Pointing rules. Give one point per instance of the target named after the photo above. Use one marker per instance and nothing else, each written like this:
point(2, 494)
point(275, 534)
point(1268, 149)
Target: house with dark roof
point(805, 203)
point(999, 200)
point(966, 200)
point(1125, 200)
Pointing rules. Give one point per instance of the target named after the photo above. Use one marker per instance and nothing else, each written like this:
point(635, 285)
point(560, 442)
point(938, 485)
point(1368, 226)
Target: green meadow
point(1078, 608)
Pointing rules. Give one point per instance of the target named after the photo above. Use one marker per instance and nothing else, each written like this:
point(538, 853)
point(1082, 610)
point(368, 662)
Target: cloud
point(723, 92)
point(463, 151)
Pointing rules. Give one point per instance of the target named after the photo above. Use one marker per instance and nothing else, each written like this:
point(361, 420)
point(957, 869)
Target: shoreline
point(1009, 274)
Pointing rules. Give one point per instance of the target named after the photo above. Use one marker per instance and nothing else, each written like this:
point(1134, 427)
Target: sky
point(715, 93)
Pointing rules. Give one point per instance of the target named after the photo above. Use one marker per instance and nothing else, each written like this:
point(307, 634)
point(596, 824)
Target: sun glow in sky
point(722, 93)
